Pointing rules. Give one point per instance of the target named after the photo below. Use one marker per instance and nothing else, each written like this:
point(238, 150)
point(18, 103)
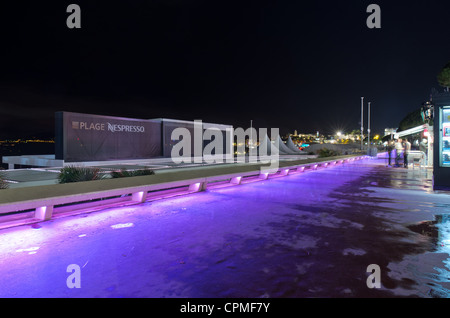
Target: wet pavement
point(310, 234)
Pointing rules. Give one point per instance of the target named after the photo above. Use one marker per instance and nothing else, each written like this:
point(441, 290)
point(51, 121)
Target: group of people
point(402, 148)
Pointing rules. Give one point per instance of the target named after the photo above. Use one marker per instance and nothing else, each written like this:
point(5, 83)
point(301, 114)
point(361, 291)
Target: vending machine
point(441, 164)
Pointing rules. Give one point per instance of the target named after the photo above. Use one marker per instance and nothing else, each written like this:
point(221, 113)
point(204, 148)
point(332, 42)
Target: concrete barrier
point(49, 200)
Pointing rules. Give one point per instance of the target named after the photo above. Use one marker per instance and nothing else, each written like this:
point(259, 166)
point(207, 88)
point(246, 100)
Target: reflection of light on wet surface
point(122, 225)
point(305, 235)
point(435, 274)
point(31, 250)
point(443, 246)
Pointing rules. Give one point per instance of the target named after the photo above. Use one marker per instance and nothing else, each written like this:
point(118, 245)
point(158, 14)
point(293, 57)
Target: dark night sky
point(288, 64)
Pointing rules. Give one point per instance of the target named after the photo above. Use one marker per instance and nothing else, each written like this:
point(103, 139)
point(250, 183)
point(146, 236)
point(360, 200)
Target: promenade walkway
point(310, 234)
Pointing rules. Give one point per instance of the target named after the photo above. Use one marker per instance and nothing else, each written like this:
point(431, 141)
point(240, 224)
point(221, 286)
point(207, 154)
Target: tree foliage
point(411, 120)
point(444, 76)
point(325, 152)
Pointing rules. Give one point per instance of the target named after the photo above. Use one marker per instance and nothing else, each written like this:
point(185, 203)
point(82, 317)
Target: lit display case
point(441, 155)
point(444, 145)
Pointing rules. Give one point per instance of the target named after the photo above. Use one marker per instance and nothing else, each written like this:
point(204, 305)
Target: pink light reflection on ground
point(249, 240)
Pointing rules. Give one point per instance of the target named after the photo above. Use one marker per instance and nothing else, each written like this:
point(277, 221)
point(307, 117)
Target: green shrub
point(3, 183)
point(131, 173)
point(325, 152)
point(78, 173)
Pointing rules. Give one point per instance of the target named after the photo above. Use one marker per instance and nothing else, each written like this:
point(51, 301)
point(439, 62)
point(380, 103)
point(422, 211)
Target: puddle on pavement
point(426, 228)
point(438, 233)
point(402, 179)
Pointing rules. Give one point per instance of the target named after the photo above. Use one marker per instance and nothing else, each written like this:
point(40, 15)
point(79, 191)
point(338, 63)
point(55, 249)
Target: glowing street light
point(368, 126)
point(362, 120)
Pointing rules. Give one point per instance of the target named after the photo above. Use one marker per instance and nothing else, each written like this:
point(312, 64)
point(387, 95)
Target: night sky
point(287, 64)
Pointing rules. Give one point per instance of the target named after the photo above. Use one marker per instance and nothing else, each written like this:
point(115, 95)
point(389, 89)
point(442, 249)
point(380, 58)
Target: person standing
point(399, 151)
point(423, 146)
point(390, 147)
point(406, 153)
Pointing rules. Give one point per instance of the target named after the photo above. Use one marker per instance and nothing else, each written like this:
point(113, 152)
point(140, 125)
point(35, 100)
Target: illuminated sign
point(111, 127)
point(86, 137)
point(126, 128)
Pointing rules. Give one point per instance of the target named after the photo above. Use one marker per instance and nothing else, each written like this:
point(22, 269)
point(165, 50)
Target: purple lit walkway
point(312, 234)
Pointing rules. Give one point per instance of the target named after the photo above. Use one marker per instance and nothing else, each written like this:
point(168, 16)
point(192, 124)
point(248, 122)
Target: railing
point(416, 157)
point(40, 203)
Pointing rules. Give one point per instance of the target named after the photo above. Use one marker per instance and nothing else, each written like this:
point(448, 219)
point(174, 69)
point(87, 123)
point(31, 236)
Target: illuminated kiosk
point(426, 131)
point(441, 164)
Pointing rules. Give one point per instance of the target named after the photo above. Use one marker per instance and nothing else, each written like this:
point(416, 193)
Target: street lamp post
point(362, 121)
point(250, 142)
point(368, 127)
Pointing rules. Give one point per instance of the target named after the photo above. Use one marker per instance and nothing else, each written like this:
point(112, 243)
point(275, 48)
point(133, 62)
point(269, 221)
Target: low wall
point(45, 200)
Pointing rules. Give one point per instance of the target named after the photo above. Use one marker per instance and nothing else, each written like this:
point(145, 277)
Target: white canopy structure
point(290, 145)
point(284, 149)
point(411, 131)
point(266, 147)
